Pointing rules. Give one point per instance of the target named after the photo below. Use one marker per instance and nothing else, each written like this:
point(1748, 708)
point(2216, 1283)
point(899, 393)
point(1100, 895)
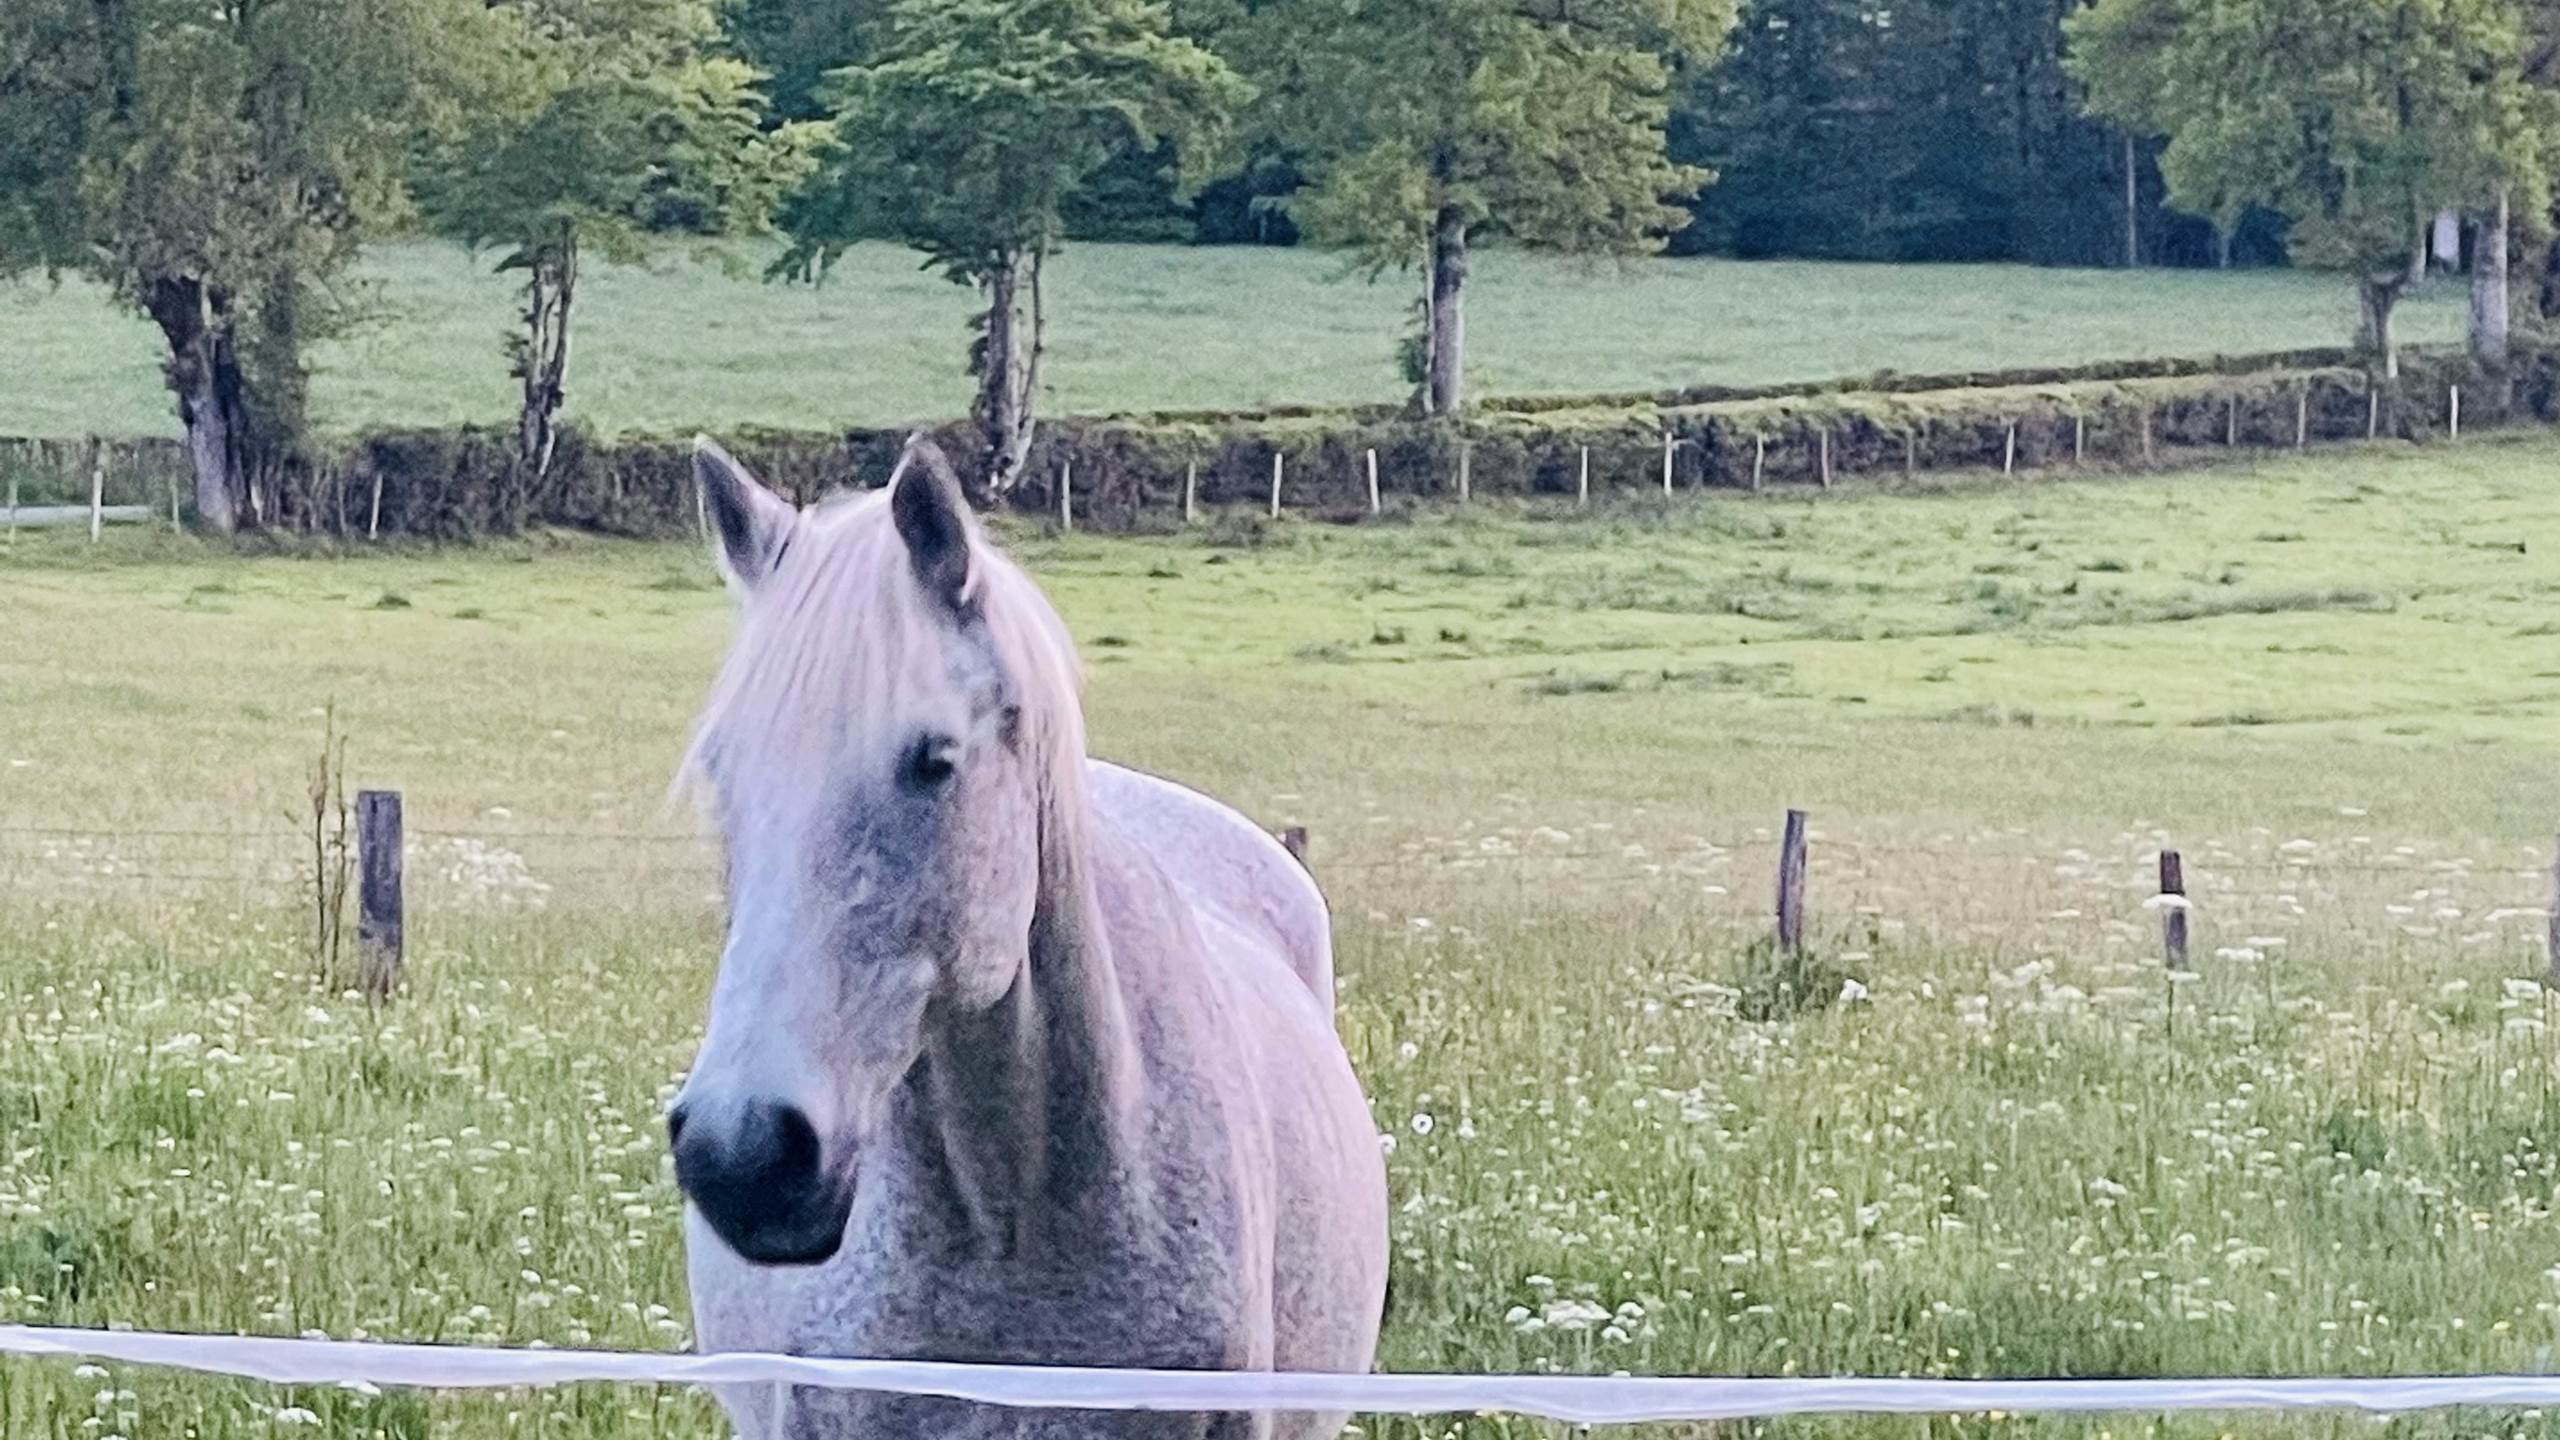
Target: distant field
point(1542, 756)
point(689, 344)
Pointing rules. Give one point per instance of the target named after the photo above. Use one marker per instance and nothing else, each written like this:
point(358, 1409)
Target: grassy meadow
point(1978, 1131)
point(695, 340)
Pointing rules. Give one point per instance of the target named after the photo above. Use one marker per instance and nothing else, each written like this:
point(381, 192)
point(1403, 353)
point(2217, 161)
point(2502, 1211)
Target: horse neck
point(1030, 1105)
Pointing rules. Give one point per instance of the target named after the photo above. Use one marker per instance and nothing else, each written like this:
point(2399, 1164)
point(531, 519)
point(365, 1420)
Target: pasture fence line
point(1571, 1399)
point(1153, 471)
point(1862, 884)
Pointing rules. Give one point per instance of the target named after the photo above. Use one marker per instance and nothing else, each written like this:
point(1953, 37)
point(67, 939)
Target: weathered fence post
point(2079, 438)
point(379, 912)
point(373, 517)
point(2231, 422)
point(2551, 944)
point(2173, 911)
point(2302, 416)
point(1466, 471)
point(2146, 434)
point(1582, 483)
point(13, 507)
point(1191, 492)
point(1275, 484)
point(97, 488)
point(1373, 482)
point(2453, 415)
point(176, 526)
point(1668, 441)
point(1791, 884)
point(1759, 460)
point(1824, 435)
point(2009, 455)
point(2372, 411)
point(1066, 495)
point(1294, 840)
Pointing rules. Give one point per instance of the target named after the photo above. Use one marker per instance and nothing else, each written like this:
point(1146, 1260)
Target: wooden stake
point(373, 521)
point(2302, 417)
point(2372, 412)
point(176, 526)
point(380, 918)
point(1066, 496)
point(2453, 421)
point(97, 489)
point(1791, 885)
point(2009, 455)
point(2551, 976)
point(1667, 443)
point(2173, 917)
point(2231, 423)
point(1824, 436)
point(1373, 482)
point(1191, 492)
point(1275, 484)
point(1759, 460)
point(2079, 439)
point(1466, 472)
point(1582, 484)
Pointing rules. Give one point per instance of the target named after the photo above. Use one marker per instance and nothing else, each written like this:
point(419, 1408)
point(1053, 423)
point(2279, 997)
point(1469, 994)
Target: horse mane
point(840, 626)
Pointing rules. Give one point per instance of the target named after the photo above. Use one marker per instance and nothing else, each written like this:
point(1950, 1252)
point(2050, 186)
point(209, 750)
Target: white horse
point(1013, 1056)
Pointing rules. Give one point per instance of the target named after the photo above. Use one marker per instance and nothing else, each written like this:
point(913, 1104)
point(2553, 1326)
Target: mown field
point(1542, 756)
point(697, 341)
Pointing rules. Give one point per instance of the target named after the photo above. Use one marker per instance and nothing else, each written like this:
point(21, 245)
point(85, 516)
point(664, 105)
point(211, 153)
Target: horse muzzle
point(761, 1181)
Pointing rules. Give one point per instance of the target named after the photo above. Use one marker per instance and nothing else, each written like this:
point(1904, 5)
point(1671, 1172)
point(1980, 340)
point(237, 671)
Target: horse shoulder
point(1225, 865)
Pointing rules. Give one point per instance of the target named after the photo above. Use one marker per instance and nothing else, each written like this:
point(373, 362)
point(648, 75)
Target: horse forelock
point(841, 629)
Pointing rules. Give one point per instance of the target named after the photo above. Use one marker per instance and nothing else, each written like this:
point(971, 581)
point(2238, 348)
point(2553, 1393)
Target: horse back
point(1226, 866)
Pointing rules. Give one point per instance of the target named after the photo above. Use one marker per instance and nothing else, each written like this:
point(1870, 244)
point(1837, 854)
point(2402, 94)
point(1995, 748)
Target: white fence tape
point(1585, 1399)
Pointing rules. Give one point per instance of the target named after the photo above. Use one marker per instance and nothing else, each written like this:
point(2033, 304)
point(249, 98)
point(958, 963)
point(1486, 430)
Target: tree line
point(217, 163)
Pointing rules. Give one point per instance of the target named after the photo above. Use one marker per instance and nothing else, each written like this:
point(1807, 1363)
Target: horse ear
point(933, 520)
point(748, 522)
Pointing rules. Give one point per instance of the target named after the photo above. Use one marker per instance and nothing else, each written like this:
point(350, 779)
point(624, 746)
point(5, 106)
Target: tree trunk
point(1445, 341)
point(1008, 363)
point(2132, 208)
point(550, 285)
point(204, 373)
point(2489, 287)
point(2379, 293)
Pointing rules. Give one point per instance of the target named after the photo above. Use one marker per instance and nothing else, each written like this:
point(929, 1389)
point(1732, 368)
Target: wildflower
point(294, 1415)
point(1851, 992)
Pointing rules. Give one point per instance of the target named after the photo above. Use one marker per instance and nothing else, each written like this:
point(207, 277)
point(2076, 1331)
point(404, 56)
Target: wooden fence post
point(13, 507)
point(373, 517)
point(1759, 460)
point(2302, 416)
point(97, 488)
point(380, 917)
point(1668, 441)
point(1066, 495)
point(2009, 455)
point(1275, 484)
point(2079, 439)
point(176, 526)
point(1791, 884)
point(2372, 411)
point(1466, 472)
point(2173, 915)
point(2453, 417)
point(2146, 434)
point(1373, 482)
point(2551, 976)
point(2231, 422)
point(1294, 840)
point(1582, 484)
point(1191, 492)
point(1824, 436)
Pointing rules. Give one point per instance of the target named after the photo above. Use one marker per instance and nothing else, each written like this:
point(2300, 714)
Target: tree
point(214, 163)
point(1427, 125)
point(965, 136)
point(623, 121)
point(2357, 119)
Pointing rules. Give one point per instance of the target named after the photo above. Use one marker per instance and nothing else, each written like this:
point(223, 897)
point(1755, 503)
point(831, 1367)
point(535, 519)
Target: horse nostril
point(759, 1177)
point(795, 1144)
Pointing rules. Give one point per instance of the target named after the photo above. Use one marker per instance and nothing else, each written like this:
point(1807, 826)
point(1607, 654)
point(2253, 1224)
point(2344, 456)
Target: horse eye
point(930, 762)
